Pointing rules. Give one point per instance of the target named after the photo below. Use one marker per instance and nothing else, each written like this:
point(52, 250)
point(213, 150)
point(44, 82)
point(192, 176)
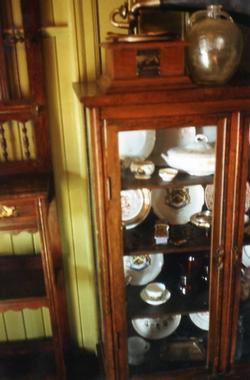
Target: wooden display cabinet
point(201, 331)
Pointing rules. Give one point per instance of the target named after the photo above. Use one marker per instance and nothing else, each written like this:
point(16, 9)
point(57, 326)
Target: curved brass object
point(121, 12)
point(126, 15)
point(7, 211)
point(144, 4)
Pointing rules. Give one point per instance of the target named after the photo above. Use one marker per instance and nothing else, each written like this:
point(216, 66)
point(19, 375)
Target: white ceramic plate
point(137, 144)
point(156, 328)
point(176, 206)
point(201, 320)
point(169, 138)
point(246, 256)
point(164, 298)
point(140, 270)
point(135, 206)
point(209, 196)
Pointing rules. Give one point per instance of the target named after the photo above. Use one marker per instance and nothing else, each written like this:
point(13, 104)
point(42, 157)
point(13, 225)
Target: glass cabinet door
point(167, 200)
point(242, 352)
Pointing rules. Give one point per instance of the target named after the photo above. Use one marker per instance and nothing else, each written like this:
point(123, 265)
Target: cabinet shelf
point(140, 240)
point(177, 304)
point(160, 357)
point(24, 109)
point(26, 347)
point(157, 361)
point(31, 359)
point(21, 282)
point(182, 179)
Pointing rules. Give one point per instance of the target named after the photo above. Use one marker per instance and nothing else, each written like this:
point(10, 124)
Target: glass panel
point(243, 336)
point(166, 205)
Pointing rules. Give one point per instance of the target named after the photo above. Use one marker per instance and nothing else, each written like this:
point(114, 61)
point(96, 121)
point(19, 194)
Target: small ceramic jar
point(161, 233)
point(142, 169)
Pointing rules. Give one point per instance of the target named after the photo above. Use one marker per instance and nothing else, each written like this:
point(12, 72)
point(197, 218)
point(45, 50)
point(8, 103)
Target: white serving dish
point(197, 158)
point(167, 138)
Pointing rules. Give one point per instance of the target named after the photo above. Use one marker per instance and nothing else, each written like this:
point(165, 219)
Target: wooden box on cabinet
point(143, 64)
point(211, 328)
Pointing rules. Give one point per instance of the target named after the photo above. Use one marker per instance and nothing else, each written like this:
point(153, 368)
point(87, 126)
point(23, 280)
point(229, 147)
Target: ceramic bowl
point(168, 174)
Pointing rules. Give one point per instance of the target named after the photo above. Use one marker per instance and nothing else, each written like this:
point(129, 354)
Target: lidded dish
point(196, 158)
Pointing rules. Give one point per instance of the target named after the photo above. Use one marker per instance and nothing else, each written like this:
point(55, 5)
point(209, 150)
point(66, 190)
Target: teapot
point(196, 158)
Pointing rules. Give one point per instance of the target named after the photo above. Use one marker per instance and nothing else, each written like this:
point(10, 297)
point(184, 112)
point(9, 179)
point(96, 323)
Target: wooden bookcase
point(27, 201)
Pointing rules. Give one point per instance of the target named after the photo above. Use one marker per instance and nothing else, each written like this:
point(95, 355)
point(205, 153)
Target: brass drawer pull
point(7, 211)
point(220, 258)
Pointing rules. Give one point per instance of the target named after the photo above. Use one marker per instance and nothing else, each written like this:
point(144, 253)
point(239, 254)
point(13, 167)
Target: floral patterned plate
point(135, 206)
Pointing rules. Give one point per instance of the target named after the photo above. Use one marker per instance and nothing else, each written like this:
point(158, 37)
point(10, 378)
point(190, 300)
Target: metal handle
point(7, 211)
point(212, 11)
point(220, 258)
point(236, 255)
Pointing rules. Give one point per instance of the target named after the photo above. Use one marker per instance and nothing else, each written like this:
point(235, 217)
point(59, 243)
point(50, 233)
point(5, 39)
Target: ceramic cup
point(142, 169)
point(155, 290)
point(168, 174)
point(137, 348)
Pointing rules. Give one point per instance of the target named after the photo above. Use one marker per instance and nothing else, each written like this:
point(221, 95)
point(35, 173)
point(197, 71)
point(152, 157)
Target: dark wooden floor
point(80, 366)
point(84, 366)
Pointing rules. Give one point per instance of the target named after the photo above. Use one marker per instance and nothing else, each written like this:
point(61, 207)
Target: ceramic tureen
point(196, 158)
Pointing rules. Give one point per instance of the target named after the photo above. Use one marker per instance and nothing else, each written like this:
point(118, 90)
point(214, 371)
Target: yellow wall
point(74, 30)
